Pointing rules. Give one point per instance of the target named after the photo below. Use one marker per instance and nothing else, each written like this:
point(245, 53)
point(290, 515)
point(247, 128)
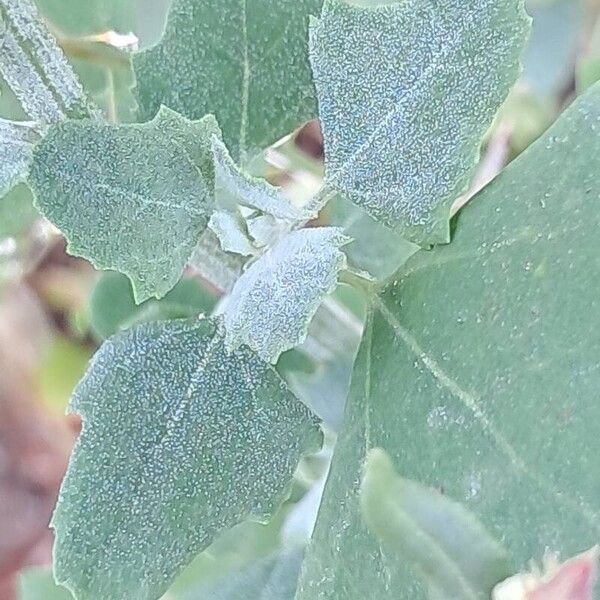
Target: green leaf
point(449, 549)
point(374, 248)
point(234, 187)
point(245, 62)
point(406, 92)
point(38, 584)
point(16, 149)
point(112, 305)
point(274, 578)
point(107, 74)
point(17, 212)
point(77, 18)
point(554, 44)
point(181, 440)
point(272, 303)
point(478, 371)
point(35, 67)
point(230, 228)
point(134, 198)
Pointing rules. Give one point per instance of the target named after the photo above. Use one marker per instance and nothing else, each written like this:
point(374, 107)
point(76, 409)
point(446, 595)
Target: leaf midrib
point(470, 401)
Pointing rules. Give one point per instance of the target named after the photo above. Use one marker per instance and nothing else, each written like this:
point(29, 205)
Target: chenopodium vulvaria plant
point(478, 371)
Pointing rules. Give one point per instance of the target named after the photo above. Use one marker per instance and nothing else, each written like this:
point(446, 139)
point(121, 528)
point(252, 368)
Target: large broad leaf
point(444, 543)
point(181, 440)
point(272, 303)
point(479, 372)
point(134, 198)
point(245, 61)
point(406, 92)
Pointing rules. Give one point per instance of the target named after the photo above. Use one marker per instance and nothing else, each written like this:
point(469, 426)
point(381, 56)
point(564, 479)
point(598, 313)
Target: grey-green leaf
point(406, 92)
point(112, 306)
point(133, 198)
point(246, 62)
point(235, 187)
point(479, 372)
point(374, 248)
point(272, 303)
point(181, 440)
point(16, 150)
point(274, 578)
point(443, 542)
point(230, 228)
point(35, 67)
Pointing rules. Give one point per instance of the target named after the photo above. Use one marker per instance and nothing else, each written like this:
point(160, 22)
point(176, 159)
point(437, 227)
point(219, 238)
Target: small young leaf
point(274, 578)
point(439, 538)
point(273, 302)
point(134, 198)
point(181, 440)
point(230, 228)
point(35, 67)
point(406, 92)
point(235, 187)
point(16, 150)
point(245, 62)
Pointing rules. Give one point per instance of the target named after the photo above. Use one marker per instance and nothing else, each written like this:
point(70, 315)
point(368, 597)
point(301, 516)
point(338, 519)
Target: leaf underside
point(406, 92)
point(181, 440)
point(478, 372)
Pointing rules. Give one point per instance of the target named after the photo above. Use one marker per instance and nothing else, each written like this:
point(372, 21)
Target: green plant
point(478, 367)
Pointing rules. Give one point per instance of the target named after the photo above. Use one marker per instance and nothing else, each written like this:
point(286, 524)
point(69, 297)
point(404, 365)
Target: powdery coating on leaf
point(272, 303)
point(16, 149)
point(230, 229)
point(406, 92)
point(440, 539)
point(255, 74)
point(235, 187)
point(498, 333)
point(181, 440)
point(134, 198)
point(35, 67)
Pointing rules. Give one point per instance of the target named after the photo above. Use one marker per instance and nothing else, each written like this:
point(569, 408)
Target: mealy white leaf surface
point(272, 303)
point(181, 440)
point(406, 92)
point(229, 227)
point(235, 187)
